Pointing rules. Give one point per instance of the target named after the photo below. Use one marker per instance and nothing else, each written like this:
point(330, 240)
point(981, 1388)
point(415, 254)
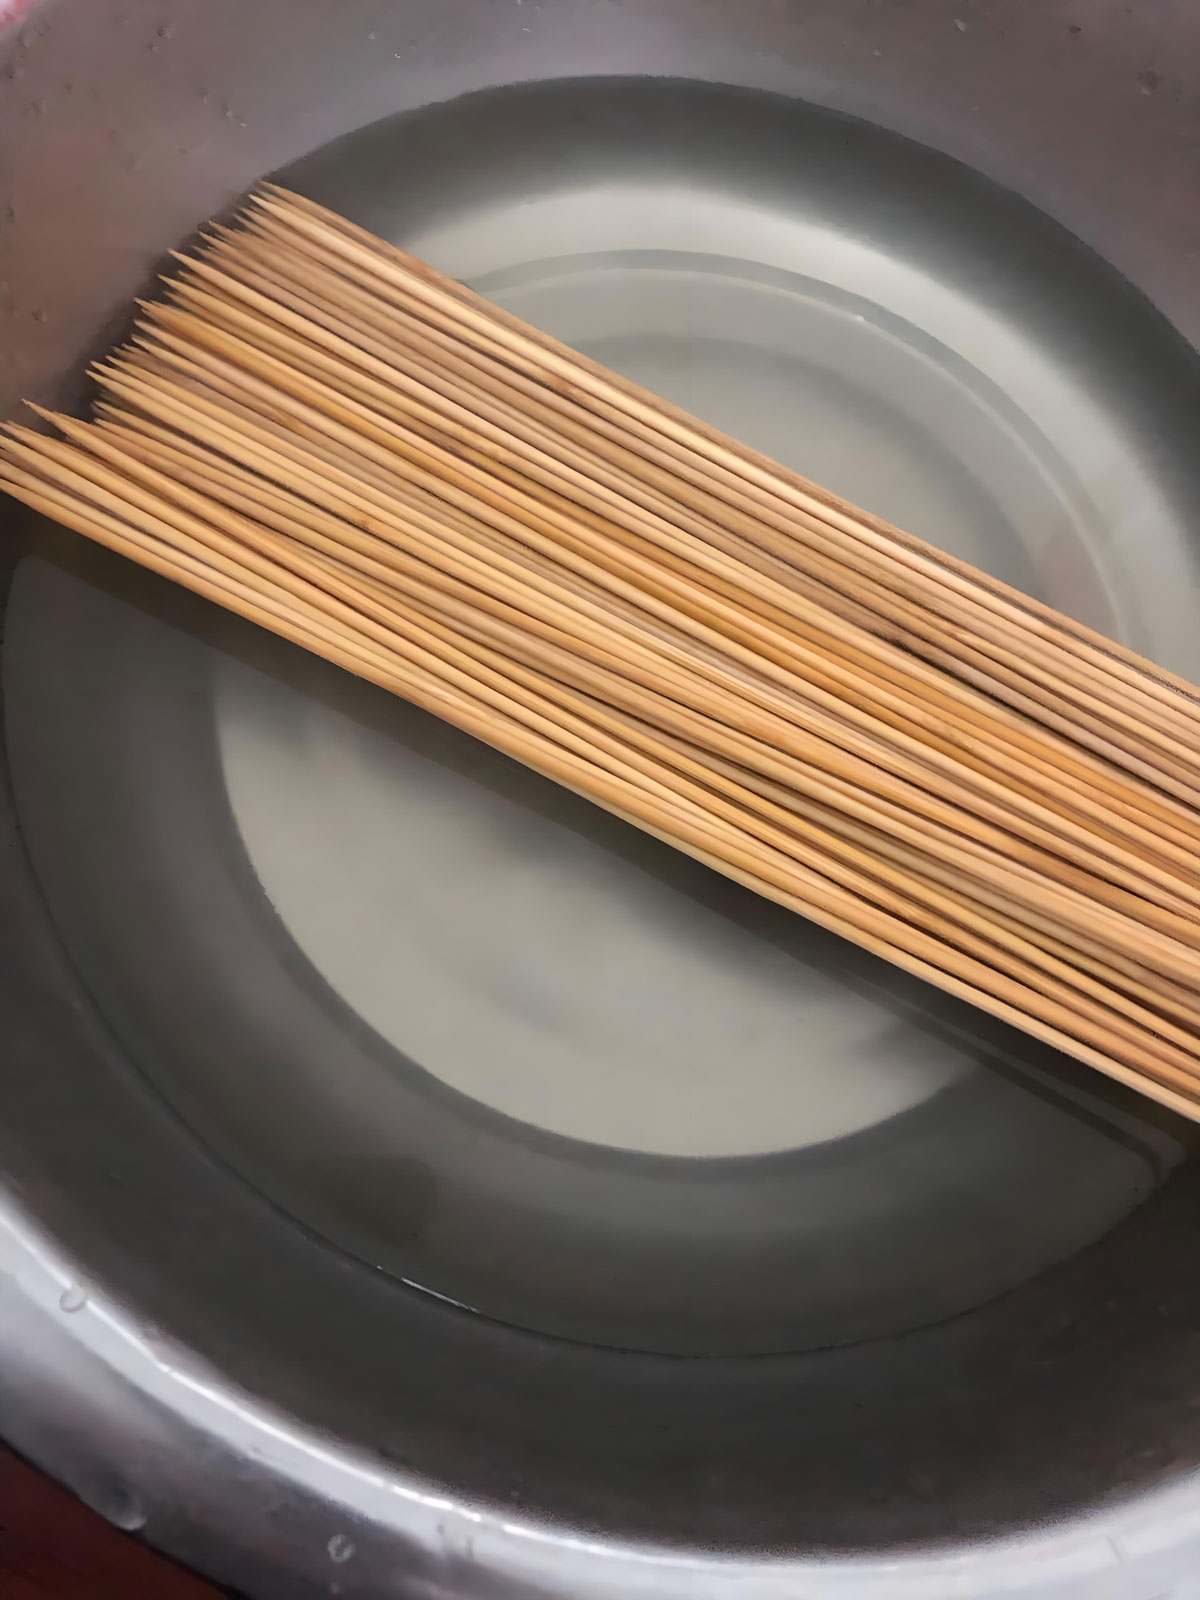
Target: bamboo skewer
point(692, 829)
point(344, 348)
point(1057, 775)
point(329, 540)
point(538, 624)
point(893, 547)
point(812, 715)
point(325, 436)
point(373, 356)
point(943, 676)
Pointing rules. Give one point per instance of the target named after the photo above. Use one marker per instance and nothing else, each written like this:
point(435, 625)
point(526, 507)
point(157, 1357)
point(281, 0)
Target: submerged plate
point(481, 1034)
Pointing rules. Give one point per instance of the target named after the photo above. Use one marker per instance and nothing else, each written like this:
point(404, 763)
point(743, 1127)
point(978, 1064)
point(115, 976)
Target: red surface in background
point(52, 1547)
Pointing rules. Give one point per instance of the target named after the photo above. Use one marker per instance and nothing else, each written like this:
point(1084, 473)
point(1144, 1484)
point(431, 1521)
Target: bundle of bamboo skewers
point(323, 434)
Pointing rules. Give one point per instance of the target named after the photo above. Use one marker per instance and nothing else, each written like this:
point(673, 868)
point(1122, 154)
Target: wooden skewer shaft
point(1061, 771)
point(547, 451)
point(405, 276)
point(328, 438)
point(816, 714)
point(1088, 1014)
point(564, 663)
point(691, 828)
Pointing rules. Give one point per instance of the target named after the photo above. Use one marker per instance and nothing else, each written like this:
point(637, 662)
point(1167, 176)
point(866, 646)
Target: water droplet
point(340, 1548)
point(73, 1298)
point(114, 1502)
point(126, 1511)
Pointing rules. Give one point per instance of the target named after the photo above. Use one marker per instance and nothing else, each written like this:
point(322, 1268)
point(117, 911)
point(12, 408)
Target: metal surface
point(267, 1406)
point(505, 1028)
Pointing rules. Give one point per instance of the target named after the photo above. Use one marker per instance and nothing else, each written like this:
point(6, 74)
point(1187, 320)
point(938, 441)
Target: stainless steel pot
point(236, 1367)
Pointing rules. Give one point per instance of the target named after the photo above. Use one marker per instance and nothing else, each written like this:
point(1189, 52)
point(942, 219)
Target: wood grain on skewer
point(373, 356)
point(978, 586)
point(324, 435)
point(394, 391)
point(355, 248)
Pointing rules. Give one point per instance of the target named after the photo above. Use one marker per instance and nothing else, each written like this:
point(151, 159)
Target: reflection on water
point(530, 966)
